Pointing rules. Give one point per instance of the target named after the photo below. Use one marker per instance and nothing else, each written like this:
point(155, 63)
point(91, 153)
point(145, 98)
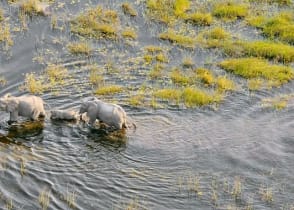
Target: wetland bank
point(208, 83)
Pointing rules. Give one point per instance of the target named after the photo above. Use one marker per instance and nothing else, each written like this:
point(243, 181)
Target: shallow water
point(175, 159)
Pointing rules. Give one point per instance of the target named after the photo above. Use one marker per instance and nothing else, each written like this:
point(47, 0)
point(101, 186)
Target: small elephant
point(64, 115)
point(110, 114)
point(27, 106)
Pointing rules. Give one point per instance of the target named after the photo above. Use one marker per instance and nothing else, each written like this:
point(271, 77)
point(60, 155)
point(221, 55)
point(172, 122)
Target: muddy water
point(175, 159)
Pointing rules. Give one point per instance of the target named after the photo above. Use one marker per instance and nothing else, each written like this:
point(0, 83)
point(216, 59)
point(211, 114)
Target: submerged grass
point(280, 26)
point(252, 68)
point(230, 10)
point(128, 9)
point(181, 40)
point(79, 48)
point(109, 90)
point(96, 23)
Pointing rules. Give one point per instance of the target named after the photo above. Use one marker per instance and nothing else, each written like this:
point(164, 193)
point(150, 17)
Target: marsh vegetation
point(209, 82)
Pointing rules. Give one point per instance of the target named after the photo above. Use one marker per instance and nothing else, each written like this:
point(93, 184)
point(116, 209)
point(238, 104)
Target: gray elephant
point(110, 114)
point(64, 115)
point(28, 106)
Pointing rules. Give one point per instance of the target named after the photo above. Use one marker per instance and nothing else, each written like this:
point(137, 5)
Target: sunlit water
point(155, 166)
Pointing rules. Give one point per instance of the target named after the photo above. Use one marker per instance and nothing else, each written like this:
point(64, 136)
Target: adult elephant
point(29, 106)
point(108, 113)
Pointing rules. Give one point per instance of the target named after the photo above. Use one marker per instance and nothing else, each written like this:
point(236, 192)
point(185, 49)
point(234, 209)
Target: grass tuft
point(182, 40)
point(33, 84)
point(129, 33)
point(230, 10)
point(80, 48)
point(109, 90)
point(199, 19)
point(252, 68)
point(128, 9)
point(96, 23)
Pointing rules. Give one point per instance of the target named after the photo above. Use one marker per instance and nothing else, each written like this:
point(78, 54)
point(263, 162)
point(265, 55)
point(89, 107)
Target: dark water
point(157, 166)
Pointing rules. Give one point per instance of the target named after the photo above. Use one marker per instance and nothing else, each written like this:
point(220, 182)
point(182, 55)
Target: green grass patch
point(181, 40)
point(95, 77)
point(215, 37)
point(156, 71)
point(193, 97)
point(230, 10)
point(1, 15)
point(129, 33)
point(280, 26)
point(57, 74)
point(33, 84)
point(5, 36)
point(79, 48)
point(251, 68)
point(224, 84)
point(179, 78)
point(109, 90)
point(128, 9)
point(168, 94)
point(96, 23)
point(199, 19)
point(205, 76)
point(166, 11)
point(153, 49)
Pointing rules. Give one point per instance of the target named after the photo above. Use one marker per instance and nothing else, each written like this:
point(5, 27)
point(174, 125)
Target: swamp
point(209, 85)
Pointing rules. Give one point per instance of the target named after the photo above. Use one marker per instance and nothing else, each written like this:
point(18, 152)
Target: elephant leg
point(13, 117)
point(92, 120)
point(35, 115)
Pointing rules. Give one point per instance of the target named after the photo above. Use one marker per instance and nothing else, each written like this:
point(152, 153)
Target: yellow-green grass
point(225, 84)
point(156, 71)
point(193, 97)
point(181, 40)
point(44, 199)
point(1, 15)
point(215, 37)
point(280, 26)
point(136, 100)
point(161, 57)
point(128, 9)
point(96, 79)
point(3, 81)
point(79, 48)
point(187, 62)
point(280, 2)
point(153, 49)
point(278, 103)
point(57, 74)
point(166, 11)
point(230, 10)
point(96, 23)
point(33, 84)
point(251, 68)
point(5, 36)
point(32, 7)
point(179, 78)
point(129, 33)
point(205, 76)
point(148, 58)
point(109, 90)
point(255, 84)
point(200, 19)
point(168, 94)
point(271, 50)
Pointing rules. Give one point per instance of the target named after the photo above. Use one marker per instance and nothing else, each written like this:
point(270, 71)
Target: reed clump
point(44, 199)
point(179, 78)
point(96, 23)
point(167, 11)
point(280, 26)
point(215, 37)
point(230, 10)
point(109, 90)
point(199, 19)
point(33, 7)
point(80, 48)
point(33, 84)
point(179, 39)
point(156, 72)
point(129, 33)
point(5, 36)
point(129, 9)
point(251, 68)
point(56, 74)
point(280, 2)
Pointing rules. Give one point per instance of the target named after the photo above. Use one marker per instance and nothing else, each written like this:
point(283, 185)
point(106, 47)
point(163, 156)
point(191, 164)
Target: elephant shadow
point(24, 129)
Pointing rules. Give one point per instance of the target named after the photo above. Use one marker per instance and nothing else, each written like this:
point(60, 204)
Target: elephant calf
point(110, 114)
point(28, 106)
point(64, 115)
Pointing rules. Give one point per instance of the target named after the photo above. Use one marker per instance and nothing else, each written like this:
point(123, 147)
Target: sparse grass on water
point(109, 90)
point(79, 48)
point(179, 39)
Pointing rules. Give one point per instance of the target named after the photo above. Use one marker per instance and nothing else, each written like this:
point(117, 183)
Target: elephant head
point(9, 103)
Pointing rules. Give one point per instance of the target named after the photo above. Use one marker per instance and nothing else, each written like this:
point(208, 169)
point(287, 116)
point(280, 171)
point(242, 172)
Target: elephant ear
point(12, 105)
